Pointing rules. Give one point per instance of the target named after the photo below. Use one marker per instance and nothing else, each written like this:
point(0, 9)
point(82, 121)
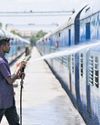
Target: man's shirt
point(6, 89)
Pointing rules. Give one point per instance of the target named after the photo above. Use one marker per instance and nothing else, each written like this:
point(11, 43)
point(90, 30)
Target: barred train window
point(96, 72)
point(73, 63)
point(91, 70)
point(81, 64)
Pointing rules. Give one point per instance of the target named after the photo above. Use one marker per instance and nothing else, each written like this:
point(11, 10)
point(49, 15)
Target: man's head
point(5, 45)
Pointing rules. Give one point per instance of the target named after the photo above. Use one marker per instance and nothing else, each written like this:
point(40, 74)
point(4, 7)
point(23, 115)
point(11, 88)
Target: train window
point(91, 68)
point(81, 55)
point(97, 82)
point(59, 34)
point(82, 65)
point(98, 26)
point(96, 59)
point(94, 26)
point(64, 60)
point(87, 31)
point(96, 73)
point(69, 36)
point(81, 72)
point(92, 78)
point(73, 63)
point(91, 71)
point(96, 79)
point(91, 57)
point(91, 82)
point(96, 66)
point(92, 75)
point(97, 85)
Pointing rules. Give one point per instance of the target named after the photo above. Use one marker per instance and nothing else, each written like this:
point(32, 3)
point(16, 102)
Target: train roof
point(69, 21)
point(92, 8)
point(2, 35)
point(47, 35)
point(6, 34)
point(21, 39)
point(25, 41)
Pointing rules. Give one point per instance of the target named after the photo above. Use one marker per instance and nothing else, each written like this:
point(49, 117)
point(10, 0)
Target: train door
point(93, 81)
point(69, 72)
point(65, 71)
point(72, 78)
point(69, 60)
point(77, 33)
point(71, 65)
point(83, 63)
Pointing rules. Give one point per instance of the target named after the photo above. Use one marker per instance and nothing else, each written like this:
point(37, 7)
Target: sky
point(32, 4)
point(39, 5)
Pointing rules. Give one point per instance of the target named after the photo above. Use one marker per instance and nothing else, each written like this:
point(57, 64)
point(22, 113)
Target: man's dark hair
point(3, 41)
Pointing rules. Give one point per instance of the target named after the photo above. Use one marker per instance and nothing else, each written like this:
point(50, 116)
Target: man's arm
point(10, 78)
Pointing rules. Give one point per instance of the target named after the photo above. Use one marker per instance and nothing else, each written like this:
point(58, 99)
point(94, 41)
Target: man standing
point(7, 101)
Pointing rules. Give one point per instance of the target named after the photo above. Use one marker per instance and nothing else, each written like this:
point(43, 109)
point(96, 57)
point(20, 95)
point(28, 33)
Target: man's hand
point(21, 66)
point(18, 74)
point(20, 70)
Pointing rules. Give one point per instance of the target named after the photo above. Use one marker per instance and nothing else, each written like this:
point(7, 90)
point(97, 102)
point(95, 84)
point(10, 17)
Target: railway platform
point(44, 100)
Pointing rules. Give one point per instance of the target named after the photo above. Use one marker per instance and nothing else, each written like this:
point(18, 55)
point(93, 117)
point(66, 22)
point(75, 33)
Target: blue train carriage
point(65, 66)
point(90, 22)
point(20, 45)
point(17, 46)
point(69, 36)
point(84, 88)
point(73, 69)
point(82, 62)
point(82, 34)
point(40, 46)
point(72, 32)
point(94, 84)
point(89, 32)
point(46, 42)
point(26, 47)
point(89, 76)
point(67, 40)
point(60, 42)
point(68, 69)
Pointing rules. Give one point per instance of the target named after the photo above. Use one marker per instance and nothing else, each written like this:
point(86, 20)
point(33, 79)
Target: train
point(17, 44)
point(79, 72)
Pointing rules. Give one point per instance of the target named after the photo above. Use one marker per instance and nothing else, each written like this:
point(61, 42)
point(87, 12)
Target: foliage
point(14, 32)
point(36, 37)
point(0, 25)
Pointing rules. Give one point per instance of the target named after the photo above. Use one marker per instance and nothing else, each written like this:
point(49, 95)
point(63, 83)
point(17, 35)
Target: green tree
point(0, 25)
point(14, 32)
point(36, 37)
